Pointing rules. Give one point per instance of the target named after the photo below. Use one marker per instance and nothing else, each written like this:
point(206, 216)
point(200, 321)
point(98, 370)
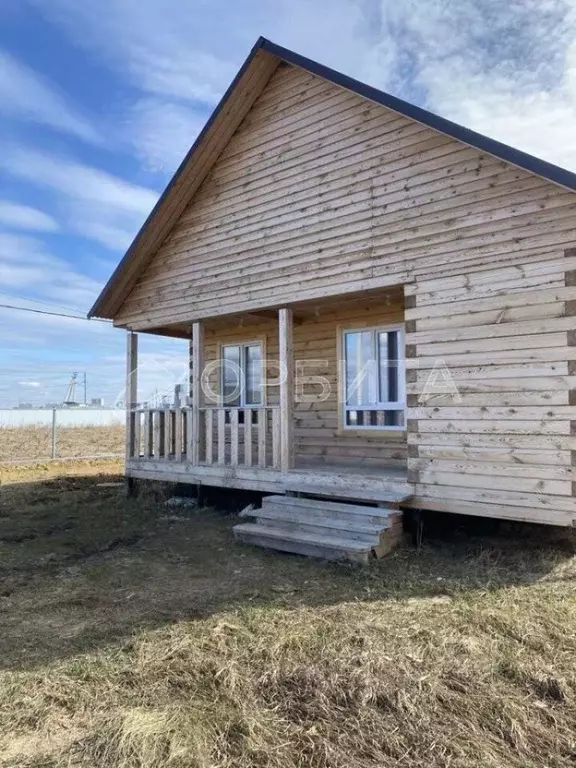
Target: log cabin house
point(327, 228)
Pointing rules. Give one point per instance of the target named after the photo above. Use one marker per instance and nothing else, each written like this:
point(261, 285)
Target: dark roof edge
point(511, 155)
point(259, 44)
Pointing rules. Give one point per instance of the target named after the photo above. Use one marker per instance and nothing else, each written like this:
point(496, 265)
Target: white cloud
point(183, 56)
point(26, 95)
point(191, 51)
point(110, 236)
point(77, 180)
point(164, 48)
point(27, 266)
point(505, 69)
point(94, 204)
point(162, 132)
point(31, 384)
point(20, 249)
point(17, 216)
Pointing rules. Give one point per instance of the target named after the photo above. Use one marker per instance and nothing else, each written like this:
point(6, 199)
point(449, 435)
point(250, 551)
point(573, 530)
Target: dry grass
point(22, 473)
point(35, 443)
point(132, 641)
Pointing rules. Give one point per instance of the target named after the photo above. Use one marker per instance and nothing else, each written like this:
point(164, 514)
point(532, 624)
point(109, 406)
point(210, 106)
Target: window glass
point(393, 367)
point(242, 375)
point(388, 351)
point(231, 375)
point(359, 368)
point(374, 379)
point(253, 369)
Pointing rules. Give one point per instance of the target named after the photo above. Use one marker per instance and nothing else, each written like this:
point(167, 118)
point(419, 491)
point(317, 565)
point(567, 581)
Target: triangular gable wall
point(321, 192)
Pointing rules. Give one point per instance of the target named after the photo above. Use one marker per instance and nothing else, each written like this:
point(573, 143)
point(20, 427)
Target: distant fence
point(66, 417)
point(44, 434)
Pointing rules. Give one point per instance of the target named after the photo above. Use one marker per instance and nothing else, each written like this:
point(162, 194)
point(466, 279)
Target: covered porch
point(301, 435)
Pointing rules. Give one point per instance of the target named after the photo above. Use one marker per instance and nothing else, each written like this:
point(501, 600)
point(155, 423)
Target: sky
point(99, 102)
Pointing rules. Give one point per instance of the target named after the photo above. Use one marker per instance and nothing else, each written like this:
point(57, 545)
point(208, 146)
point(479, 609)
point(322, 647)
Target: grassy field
point(35, 443)
point(135, 635)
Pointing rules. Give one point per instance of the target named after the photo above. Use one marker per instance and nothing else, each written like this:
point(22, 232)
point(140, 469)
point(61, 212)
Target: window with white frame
point(242, 375)
point(373, 378)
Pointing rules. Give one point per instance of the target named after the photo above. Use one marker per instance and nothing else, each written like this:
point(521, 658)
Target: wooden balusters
point(221, 436)
point(262, 437)
point(232, 437)
point(248, 416)
point(276, 439)
point(209, 457)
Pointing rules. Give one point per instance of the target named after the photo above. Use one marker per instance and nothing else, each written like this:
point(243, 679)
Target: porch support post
point(196, 389)
point(286, 360)
point(132, 432)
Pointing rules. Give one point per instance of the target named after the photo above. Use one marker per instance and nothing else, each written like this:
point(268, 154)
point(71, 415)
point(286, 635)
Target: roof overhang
point(250, 81)
point(234, 105)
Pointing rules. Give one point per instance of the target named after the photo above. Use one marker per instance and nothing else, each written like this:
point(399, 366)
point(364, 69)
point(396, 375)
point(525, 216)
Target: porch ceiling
point(301, 310)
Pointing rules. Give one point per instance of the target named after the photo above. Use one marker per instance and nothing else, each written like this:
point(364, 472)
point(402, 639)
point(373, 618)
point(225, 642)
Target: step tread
point(357, 494)
point(287, 516)
point(330, 542)
point(328, 506)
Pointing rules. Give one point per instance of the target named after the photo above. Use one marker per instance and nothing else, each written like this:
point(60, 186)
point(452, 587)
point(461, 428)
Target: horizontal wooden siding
point(320, 192)
point(318, 433)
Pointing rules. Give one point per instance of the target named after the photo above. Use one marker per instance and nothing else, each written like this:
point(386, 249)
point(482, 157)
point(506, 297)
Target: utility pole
point(85, 399)
point(69, 398)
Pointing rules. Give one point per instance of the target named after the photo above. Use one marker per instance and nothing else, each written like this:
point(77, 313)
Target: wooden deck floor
point(341, 480)
point(351, 468)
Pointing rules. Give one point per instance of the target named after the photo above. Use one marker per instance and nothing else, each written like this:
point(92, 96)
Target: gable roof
point(250, 81)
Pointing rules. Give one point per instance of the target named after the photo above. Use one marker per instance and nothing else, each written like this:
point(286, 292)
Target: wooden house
point(414, 281)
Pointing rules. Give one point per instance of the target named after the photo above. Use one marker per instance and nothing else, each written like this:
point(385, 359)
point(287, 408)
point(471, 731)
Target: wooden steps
point(302, 543)
point(327, 529)
point(395, 493)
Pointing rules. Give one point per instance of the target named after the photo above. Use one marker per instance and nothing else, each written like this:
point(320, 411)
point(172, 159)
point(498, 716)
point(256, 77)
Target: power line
point(38, 301)
point(54, 314)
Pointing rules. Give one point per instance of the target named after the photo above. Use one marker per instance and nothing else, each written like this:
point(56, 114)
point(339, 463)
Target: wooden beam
point(173, 333)
point(197, 368)
point(131, 394)
point(286, 360)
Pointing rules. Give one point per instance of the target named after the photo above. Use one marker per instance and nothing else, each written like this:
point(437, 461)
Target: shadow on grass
point(82, 566)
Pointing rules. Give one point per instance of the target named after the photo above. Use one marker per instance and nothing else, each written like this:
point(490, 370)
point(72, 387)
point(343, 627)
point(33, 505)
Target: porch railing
point(232, 437)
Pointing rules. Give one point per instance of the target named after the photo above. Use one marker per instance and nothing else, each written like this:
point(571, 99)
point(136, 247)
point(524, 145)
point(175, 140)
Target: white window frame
point(243, 345)
point(399, 405)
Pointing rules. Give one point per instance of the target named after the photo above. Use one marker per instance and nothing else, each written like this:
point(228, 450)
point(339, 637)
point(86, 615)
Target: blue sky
point(100, 101)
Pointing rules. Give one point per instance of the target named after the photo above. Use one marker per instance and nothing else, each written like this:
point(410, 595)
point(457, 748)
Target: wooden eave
point(226, 118)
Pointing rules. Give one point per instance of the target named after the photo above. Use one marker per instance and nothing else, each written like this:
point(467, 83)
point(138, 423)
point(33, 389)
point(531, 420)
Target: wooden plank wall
point(320, 192)
point(318, 434)
point(505, 444)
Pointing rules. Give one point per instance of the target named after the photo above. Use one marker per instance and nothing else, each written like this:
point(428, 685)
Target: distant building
point(97, 402)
